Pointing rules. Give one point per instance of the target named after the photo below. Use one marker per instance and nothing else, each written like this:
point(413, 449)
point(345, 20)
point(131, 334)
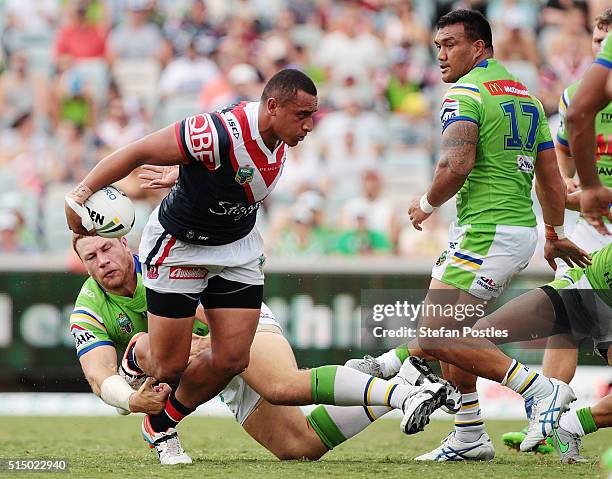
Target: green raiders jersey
point(512, 130)
point(603, 132)
point(605, 54)
point(598, 274)
point(100, 318)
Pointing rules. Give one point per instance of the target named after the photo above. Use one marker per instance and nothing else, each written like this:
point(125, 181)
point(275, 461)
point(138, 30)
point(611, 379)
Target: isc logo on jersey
point(450, 109)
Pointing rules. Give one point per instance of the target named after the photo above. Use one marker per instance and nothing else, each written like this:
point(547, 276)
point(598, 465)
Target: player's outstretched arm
point(159, 148)
point(100, 368)
point(551, 192)
point(458, 155)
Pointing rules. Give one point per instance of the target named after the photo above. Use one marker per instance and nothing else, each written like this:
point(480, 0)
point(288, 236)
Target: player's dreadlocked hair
point(603, 21)
point(285, 84)
point(474, 23)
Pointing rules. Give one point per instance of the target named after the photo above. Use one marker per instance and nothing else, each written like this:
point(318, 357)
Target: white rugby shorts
point(173, 266)
point(482, 259)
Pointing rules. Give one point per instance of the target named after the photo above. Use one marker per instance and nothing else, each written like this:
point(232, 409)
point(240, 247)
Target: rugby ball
point(111, 212)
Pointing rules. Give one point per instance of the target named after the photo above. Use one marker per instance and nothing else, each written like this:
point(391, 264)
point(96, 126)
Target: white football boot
point(452, 449)
point(166, 444)
point(545, 414)
point(419, 405)
point(567, 445)
point(417, 371)
point(368, 365)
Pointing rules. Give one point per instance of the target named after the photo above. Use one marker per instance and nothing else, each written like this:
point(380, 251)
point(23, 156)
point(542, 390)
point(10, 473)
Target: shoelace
point(173, 446)
point(371, 361)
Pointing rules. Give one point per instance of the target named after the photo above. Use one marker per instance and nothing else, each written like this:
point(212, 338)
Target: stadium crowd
point(81, 78)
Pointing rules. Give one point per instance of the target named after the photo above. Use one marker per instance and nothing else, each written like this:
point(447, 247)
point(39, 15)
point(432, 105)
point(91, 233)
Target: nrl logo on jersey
point(125, 324)
point(244, 175)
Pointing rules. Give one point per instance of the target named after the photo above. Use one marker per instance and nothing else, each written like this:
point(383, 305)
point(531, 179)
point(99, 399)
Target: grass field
point(112, 447)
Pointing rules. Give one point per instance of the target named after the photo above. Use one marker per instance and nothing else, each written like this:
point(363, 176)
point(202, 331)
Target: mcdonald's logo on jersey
point(507, 87)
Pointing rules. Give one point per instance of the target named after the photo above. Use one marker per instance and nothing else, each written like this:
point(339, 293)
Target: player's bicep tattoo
point(459, 142)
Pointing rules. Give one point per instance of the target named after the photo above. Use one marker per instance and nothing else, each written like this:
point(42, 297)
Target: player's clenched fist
point(150, 399)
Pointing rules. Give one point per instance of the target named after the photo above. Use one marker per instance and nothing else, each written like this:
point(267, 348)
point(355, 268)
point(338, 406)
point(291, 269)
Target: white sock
point(527, 383)
point(468, 420)
point(349, 420)
point(343, 386)
point(570, 422)
point(390, 364)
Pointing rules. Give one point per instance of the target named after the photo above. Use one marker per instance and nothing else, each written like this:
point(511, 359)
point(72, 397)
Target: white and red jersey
point(230, 172)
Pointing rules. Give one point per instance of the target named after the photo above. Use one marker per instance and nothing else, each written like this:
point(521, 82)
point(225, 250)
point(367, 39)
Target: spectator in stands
point(515, 42)
point(554, 11)
point(498, 11)
point(16, 89)
point(303, 172)
point(79, 38)
point(137, 38)
point(9, 233)
point(566, 56)
point(351, 47)
point(360, 239)
point(240, 82)
point(192, 29)
point(21, 157)
point(74, 153)
point(568, 51)
point(118, 128)
point(300, 237)
point(352, 140)
point(28, 23)
point(379, 211)
point(186, 75)
point(404, 28)
point(406, 81)
point(72, 98)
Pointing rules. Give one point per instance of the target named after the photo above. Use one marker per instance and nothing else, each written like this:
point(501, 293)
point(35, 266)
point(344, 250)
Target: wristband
point(554, 233)
point(425, 206)
point(81, 193)
point(114, 391)
point(80, 210)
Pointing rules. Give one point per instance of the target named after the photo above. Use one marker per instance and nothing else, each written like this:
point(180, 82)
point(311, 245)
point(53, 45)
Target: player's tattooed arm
point(458, 155)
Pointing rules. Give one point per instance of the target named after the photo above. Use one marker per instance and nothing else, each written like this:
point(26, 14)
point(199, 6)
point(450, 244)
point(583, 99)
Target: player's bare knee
point(435, 347)
point(230, 365)
point(168, 373)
